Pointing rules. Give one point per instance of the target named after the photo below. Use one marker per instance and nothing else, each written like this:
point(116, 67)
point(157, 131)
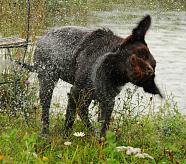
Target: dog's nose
point(149, 70)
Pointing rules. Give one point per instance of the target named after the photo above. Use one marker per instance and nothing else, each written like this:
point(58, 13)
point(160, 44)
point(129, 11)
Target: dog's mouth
point(146, 78)
point(149, 85)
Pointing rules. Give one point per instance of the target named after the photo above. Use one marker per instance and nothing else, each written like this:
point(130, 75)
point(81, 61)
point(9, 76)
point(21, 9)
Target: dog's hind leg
point(47, 84)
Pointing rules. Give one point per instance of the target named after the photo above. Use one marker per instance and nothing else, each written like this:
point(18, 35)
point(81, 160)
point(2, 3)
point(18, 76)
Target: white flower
point(139, 155)
point(147, 156)
point(132, 150)
point(129, 150)
point(67, 143)
point(34, 154)
point(143, 155)
point(121, 148)
point(79, 134)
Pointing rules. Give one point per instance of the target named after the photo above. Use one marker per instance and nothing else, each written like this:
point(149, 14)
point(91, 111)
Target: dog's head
point(133, 60)
point(140, 63)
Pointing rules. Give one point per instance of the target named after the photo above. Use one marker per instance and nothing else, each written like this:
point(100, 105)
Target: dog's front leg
point(73, 97)
point(106, 108)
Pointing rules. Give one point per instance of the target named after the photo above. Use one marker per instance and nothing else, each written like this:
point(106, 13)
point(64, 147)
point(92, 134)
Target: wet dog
point(97, 63)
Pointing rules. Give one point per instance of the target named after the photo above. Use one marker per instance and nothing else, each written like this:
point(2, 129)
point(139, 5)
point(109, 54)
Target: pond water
point(166, 38)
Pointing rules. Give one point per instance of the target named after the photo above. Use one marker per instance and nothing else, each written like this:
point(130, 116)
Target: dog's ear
point(139, 32)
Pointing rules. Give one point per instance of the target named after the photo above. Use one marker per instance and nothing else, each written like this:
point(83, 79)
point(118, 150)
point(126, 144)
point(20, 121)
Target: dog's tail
point(29, 67)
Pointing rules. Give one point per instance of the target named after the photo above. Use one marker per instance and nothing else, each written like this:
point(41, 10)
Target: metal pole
point(27, 29)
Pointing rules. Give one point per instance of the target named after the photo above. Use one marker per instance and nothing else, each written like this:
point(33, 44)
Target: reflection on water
point(166, 37)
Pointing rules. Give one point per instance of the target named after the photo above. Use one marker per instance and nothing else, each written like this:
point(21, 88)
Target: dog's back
point(55, 51)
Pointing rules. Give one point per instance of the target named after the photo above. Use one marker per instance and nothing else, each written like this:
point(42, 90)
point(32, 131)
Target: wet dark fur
point(97, 63)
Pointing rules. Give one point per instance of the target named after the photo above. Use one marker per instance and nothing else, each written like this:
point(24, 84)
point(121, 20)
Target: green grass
point(162, 135)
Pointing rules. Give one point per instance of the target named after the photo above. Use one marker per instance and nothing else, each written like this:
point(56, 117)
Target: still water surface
point(166, 40)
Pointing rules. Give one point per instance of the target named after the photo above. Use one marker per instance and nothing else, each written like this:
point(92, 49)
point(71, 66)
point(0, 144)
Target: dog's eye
point(145, 56)
point(143, 53)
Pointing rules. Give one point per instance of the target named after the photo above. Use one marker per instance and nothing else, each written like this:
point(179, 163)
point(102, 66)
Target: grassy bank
point(162, 135)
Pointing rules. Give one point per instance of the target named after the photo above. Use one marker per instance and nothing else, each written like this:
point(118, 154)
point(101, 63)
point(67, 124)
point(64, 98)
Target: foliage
point(161, 134)
point(17, 96)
